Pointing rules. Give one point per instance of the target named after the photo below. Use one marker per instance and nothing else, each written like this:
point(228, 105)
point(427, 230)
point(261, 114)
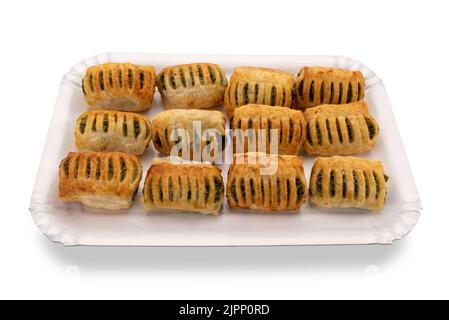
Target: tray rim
point(411, 214)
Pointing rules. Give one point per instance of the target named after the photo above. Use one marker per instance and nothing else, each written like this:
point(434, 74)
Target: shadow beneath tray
point(219, 259)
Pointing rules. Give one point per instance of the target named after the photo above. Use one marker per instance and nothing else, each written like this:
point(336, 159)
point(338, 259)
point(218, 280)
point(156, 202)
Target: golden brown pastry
point(194, 187)
point(100, 130)
point(343, 182)
point(107, 180)
point(258, 85)
point(119, 86)
point(319, 85)
point(192, 86)
point(289, 124)
point(248, 187)
point(166, 136)
point(340, 129)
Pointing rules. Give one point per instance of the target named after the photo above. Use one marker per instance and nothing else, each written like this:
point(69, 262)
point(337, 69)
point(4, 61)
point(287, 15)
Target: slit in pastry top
point(320, 85)
point(192, 86)
point(119, 86)
point(252, 123)
point(253, 85)
point(107, 180)
point(183, 186)
point(340, 129)
point(250, 187)
point(343, 182)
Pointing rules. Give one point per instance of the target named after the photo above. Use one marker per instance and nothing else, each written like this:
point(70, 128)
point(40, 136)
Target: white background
point(405, 43)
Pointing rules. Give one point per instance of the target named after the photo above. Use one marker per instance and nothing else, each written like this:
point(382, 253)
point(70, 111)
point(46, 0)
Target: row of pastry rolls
point(131, 87)
point(109, 180)
point(277, 183)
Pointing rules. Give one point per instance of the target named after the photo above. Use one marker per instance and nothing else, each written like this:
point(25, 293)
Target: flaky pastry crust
point(319, 85)
point(286, 189)
point(288, 123)
point(119, 86)
point(253, 85)
point(100, 130)
point(107, 180)
point(193, 187)
point(343, 182)
point(340, 129)
point(192, 86)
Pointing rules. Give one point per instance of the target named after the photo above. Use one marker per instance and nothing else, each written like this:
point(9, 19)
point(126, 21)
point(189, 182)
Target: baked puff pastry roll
point(119, 86)
point(192, 86)
point(256, 122)
point(201, 129)
point(318, 85)
point(343, 182)
point(340, 129)
point(100, 130)
point(106, 180)
point(183, 186)
point(260, 86)
point(283, 189)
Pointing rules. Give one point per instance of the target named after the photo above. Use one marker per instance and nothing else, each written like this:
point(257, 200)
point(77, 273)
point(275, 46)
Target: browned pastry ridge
point(107, 180)
point(259, 86)
point(248, 188)
point(340, 129)
point(100, 130)
point(289, 123)
point(343, 182)
point(192, 86)
point(193, 187)
point(119, 86)
point(319, 85)
point(167, 129)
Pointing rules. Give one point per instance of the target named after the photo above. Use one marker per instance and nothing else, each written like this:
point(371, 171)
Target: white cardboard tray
point(75, 224)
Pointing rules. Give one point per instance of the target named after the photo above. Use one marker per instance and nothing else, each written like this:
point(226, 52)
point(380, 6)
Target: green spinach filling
point(101, 78)
point(136, 127)
point(141, 80)
point(122, 169)
point(319, 183)
point(106, 122)
point(299, 190)
point(83, 122)
point(332, 184)
point(88, 168)
point(301, 89)
point(161, 191)
point(349, 97)
point(171, 194)
point(213, 77)
point(201, 75)
point(349, 129)
point(77, 160)
point(130, 78)
point(110, 169)
point(245, 93)
point(252, 190)
point(291, 130)
point(329, 133)
point(218, 183)
point(371, 127)
point(273, 96)
point(206, 190)
point(340, 92)
point(98, 169)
